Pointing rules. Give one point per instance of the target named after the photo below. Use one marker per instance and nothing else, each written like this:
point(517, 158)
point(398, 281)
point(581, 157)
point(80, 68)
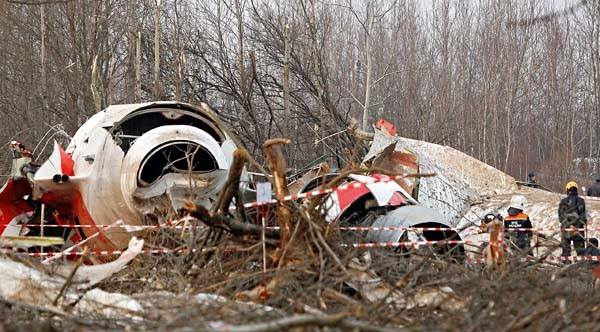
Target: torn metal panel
point(127, 157)
point(109, 305)
point(347, 202)
point(399, 161)
point(90, 275)
point(381, 202)
point(465, 189)
point(460, 179)
point(172, 160)
point(310, 179)
point(15, 210)
point(22, 283)
point(176, 188)
point(407, 216)
point(30, 241)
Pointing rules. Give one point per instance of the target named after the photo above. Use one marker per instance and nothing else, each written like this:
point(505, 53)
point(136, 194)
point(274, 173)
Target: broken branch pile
point(298, 275)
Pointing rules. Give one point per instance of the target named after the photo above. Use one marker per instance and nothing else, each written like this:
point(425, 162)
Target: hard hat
point(489, 218)
point(518, 202)
point(571, 185)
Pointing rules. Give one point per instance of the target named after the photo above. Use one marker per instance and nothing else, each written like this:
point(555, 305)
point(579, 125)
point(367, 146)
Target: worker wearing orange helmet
point(572, 217)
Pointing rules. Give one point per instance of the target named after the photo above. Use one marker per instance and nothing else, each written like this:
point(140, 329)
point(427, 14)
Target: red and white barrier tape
point(573, 259)
point(353, 185)
point(456, 229)
point(79, 244)
point(104, 252)
point(187, 250)
point(319, 192)
point(129, 228)
point(116, 252)
point(314, 193)
point(407, 243)
point(476, 260)
point(398, 228)
point(135, 228)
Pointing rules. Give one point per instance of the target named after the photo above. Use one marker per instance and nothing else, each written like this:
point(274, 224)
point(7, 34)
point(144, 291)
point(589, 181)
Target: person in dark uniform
point(594, 189)
point(531, 178)
point(592, 252)
point(571, 214)
point(592, 249)
point(517, 226)
point(531, 182)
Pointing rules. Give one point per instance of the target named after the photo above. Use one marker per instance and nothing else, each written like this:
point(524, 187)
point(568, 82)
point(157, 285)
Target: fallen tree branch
point(231, 188)
point(69, 280)
point(358, 133)
point(287, 323)
point(230, 225)
point(55, 312)
point(277, 165)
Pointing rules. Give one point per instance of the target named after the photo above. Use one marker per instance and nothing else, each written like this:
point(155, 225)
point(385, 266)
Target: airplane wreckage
point(127, 160)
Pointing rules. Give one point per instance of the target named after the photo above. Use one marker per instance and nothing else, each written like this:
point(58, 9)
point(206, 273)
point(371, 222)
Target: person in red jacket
point(517, 226)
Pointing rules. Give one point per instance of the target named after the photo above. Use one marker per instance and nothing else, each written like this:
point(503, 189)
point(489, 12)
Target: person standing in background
point(594, 189)
point(572, 217)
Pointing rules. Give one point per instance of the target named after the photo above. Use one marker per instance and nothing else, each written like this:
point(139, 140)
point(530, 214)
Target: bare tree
point(157, 90)
point(504, 81)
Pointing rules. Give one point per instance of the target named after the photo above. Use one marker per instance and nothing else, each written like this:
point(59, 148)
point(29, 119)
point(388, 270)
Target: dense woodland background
point(495, 79)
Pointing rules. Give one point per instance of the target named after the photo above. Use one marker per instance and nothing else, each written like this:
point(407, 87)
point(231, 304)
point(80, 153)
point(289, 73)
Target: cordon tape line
point(319, 192)
point(457, 229)
point(552, 258)
point(117, 252)
point(134, 228)
point(574, 259)
point(407, 243)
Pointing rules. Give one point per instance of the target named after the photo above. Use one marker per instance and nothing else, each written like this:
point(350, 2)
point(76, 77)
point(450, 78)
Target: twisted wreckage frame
point(128, 165)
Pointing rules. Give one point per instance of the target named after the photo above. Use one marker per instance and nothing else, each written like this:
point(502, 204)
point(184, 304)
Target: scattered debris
point(127, 162)
point(442, 298)
point(39, 287)
point(289, 259)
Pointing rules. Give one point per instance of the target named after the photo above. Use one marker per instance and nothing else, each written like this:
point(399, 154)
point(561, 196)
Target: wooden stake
point(278, 166)
point(42, 224)
point(231, 188)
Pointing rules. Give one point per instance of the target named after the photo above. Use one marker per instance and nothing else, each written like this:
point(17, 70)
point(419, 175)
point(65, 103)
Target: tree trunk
point(131, 50)
point(157, 95)
point(239, 15)
point(278, 167)
point(369, 66)
point(180, 56)
point(95, 86)
point(43, 77)
point(138, 68)
point(286, 82)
